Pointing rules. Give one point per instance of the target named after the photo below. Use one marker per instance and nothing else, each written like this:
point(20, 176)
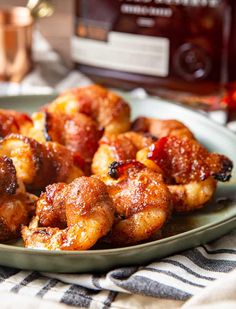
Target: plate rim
point(117, 250)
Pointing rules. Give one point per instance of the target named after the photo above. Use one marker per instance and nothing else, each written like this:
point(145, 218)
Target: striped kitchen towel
point(176, 277)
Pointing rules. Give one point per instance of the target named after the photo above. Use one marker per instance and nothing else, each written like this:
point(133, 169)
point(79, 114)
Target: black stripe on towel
point(213, 265)
point(217, 251)
point(170, 274)
point(110, 299)
point(31, 277)
point(78, 296)
point(190, 271)
point(156, 289)
point(145, 286)
point(7, 272)
point(96, 281)
point(123, 273)
point(50, 284)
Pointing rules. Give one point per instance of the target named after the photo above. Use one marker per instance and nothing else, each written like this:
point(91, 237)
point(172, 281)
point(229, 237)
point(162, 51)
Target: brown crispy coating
point(185, 197)
point(38, 165)
point(109, 110)
point(51, 209)
point(161, 128)
point(13, 122)
point(16, 206)
point(60, 205)
point(79, 133)
point(192, 196)
point(15, 211)
point(184, 160)
point(133, 190)
point(89, 216)
point(8, 179)
point(142, 201)
point(119, 148)
point(83, 194)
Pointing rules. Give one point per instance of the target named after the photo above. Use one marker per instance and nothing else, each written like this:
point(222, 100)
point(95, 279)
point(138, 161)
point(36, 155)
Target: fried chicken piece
point(109, 110)
point(38, 165)
point(89, 216)
point(142, 202)
point(13, 122)
point(161, 128)
point(16, 206)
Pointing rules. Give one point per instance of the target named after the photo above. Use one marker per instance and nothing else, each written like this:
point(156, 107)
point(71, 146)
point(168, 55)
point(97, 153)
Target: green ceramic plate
point(217, 219)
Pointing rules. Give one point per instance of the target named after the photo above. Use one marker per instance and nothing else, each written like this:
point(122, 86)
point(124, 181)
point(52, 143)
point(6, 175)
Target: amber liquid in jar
point(180, 49)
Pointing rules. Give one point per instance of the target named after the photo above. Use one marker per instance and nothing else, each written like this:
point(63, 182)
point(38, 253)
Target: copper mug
point(16, 25)
point(15, 43)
